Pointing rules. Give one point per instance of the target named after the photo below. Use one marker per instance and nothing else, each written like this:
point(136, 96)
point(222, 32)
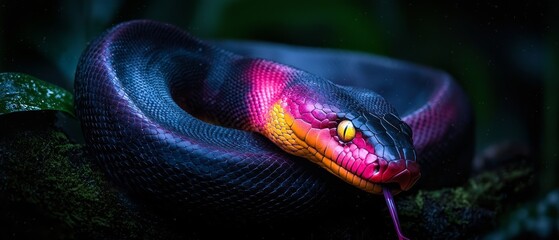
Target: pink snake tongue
point(393, 212)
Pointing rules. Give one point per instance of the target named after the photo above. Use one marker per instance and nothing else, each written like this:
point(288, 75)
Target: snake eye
point(346, 131)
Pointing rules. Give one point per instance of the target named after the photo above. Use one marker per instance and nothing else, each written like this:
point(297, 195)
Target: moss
point(465, 212)
point(46, 176)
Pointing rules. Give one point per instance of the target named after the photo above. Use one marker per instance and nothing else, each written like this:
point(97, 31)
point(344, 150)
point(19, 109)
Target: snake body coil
point(181, 121)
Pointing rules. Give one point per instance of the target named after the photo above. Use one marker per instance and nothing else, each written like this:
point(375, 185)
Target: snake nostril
point(377, 168)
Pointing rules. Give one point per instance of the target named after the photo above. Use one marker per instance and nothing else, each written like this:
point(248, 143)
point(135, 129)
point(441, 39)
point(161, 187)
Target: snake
point(263, 129)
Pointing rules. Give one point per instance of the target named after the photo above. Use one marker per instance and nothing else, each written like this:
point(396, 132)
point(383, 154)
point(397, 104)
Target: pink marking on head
point(306, 108)
point(357, 162)
point(360, 143)
point(361, 168)
point(334, 147)
point(371, 158)
point(323, 139)
point(349, 161)
point(308, 117)
point(319, 114)
point(370, 170)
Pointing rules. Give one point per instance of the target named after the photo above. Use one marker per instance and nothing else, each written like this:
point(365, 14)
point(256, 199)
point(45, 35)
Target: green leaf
point(21, 92)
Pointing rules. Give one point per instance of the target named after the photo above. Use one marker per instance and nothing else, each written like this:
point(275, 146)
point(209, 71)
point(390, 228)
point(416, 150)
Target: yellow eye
point(346, 131)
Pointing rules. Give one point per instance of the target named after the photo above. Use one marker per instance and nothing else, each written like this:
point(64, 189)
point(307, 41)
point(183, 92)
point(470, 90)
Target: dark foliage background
point(504, 53)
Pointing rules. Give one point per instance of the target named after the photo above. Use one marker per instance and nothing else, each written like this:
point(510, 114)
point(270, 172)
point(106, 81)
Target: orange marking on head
point(322, 140)
point(312, 136)
point(300, 128)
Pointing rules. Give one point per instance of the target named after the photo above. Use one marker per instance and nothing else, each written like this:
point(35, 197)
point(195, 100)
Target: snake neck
point(240, 97)
point(267, 82)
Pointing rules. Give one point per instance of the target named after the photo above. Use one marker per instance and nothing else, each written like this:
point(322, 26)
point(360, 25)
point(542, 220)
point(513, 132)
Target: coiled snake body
point(184, 122)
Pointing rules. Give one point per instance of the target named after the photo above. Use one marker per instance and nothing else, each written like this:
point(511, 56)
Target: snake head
point(369, 150)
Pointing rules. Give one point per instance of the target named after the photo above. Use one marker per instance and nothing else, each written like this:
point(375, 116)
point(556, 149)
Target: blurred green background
point(504, 54)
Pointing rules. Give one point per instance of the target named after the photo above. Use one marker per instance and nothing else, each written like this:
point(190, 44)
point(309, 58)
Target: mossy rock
point(49, 191)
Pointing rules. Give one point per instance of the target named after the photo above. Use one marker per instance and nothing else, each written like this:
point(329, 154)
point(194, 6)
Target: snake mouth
point(390, 174)
point(394, 187)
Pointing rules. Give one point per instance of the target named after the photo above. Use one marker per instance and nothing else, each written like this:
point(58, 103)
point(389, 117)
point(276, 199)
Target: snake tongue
point(393, 213)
